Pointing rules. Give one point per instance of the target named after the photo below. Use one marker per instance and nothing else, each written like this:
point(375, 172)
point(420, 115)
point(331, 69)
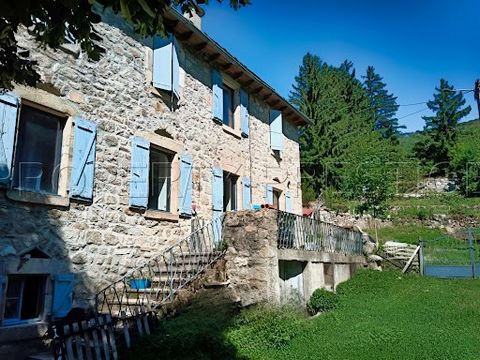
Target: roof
point(207, 48)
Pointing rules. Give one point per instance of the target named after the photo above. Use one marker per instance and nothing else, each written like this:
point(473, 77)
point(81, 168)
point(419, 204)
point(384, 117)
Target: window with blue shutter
point(185, 191)
point(244, 116)
point(288, 202)
point(269, 194)
point(139, 173)
point(246, 195)
point(217, 96)
point(62, 294)
point(276, 133)
point(166, 68)
point(9, 104)
point(83, 162)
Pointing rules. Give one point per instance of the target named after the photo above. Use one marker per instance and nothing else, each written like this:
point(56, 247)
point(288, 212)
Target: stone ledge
point(318, 256)
point(233, 132)
point(14, 333)
point(38, 198)
point(161, 215)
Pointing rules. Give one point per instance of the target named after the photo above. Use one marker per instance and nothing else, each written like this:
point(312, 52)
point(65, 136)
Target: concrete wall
point(259, 272)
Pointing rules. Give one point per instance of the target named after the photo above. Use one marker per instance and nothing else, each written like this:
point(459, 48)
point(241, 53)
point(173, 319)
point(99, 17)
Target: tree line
point(352, 145)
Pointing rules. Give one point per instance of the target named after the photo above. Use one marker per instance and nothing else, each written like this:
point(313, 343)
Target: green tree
point(50, 20)
point(383, 104)
point(440, 131)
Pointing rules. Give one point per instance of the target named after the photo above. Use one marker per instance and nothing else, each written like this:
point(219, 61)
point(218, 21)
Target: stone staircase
point(155, 283)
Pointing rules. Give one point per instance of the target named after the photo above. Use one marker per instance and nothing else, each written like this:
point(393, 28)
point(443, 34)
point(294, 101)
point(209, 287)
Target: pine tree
point(440, 131)
point(383, 104)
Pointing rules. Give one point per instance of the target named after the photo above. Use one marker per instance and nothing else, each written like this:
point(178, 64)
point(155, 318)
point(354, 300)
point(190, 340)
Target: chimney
point(195, 16)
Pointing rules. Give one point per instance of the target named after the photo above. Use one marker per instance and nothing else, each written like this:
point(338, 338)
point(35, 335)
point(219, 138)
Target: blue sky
point(411, 43)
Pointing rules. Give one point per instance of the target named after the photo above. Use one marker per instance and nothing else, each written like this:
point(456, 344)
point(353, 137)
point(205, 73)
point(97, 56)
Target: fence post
point(420, 257)
point(472, 251)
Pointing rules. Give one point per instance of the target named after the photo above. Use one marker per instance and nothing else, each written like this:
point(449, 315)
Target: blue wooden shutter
point(62, 294)
point(83, 162)
point(269, 194)
point(185, 192)
point(217, 189)
point(166, 68)
point(246, 192)
point(3, 290)
point(276, 133)
point(175, 70)
point(217, 100)
point(288, 202)
point(139, 173)
point(9, 104)
point(244, 123)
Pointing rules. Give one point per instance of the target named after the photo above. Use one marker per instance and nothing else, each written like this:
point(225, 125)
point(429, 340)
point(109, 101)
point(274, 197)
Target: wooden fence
point(99, 338)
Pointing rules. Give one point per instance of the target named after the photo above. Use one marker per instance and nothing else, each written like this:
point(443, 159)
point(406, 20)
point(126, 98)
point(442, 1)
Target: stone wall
point(101, 241)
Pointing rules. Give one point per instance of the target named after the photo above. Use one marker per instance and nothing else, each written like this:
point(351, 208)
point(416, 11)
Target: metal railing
point(150, 285)
point(304, 233)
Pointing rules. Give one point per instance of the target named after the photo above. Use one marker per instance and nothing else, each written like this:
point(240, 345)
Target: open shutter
point(175, 70)
point(288, 202)
point(246, 197)
point(276, 133)
point(62, 294)
point(217, 189)
point(244, 123)
point(217, 201)
point(139, 173)
point(217, 100)
point(269, 194)
point(166, 69)
point(185, 193)
point(83, 162)
point(3, 290)
point(9, 104)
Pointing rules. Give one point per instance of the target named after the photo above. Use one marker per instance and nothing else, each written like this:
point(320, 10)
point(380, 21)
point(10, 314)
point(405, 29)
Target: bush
point(321, 301)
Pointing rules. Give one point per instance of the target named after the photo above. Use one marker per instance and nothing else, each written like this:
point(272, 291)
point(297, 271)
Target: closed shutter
point(62, 294)
point(246, 196)
point(269, 194)
point(288, 202)
point(217, 94)
point(9, 105)
point(276, 133)
point(244, 116)
point(83, 162)
point(139, 173)
point(166, 68)
point(185, 193)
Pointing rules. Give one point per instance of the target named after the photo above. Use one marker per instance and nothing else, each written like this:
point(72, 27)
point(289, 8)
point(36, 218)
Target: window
point(229, 191)
point(159, 197)
point(24, 298)
point(276, 198)
point(38, 151)
point(228, 106)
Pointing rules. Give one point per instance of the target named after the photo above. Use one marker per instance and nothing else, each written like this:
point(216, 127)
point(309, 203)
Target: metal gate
point(452, 257)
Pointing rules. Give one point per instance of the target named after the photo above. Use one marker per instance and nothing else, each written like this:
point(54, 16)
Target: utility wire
point(413, 113)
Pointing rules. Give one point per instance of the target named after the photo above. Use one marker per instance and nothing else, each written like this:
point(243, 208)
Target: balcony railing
point(303, 233)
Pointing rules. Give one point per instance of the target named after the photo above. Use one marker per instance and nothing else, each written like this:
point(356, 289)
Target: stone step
point(41, 356)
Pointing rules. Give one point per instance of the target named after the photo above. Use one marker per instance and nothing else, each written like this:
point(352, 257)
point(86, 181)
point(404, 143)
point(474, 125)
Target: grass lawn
point(406, 233)
point(381, 315)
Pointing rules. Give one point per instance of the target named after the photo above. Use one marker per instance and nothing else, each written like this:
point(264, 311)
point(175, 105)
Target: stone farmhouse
point(106, 163)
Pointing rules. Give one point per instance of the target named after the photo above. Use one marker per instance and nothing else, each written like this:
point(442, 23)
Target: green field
point(382, 315)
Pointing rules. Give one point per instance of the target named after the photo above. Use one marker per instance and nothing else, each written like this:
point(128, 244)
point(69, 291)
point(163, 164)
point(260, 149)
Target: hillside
point(467, 131)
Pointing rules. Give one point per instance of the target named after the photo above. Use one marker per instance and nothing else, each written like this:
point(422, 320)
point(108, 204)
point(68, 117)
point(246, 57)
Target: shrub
point(321, 301)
